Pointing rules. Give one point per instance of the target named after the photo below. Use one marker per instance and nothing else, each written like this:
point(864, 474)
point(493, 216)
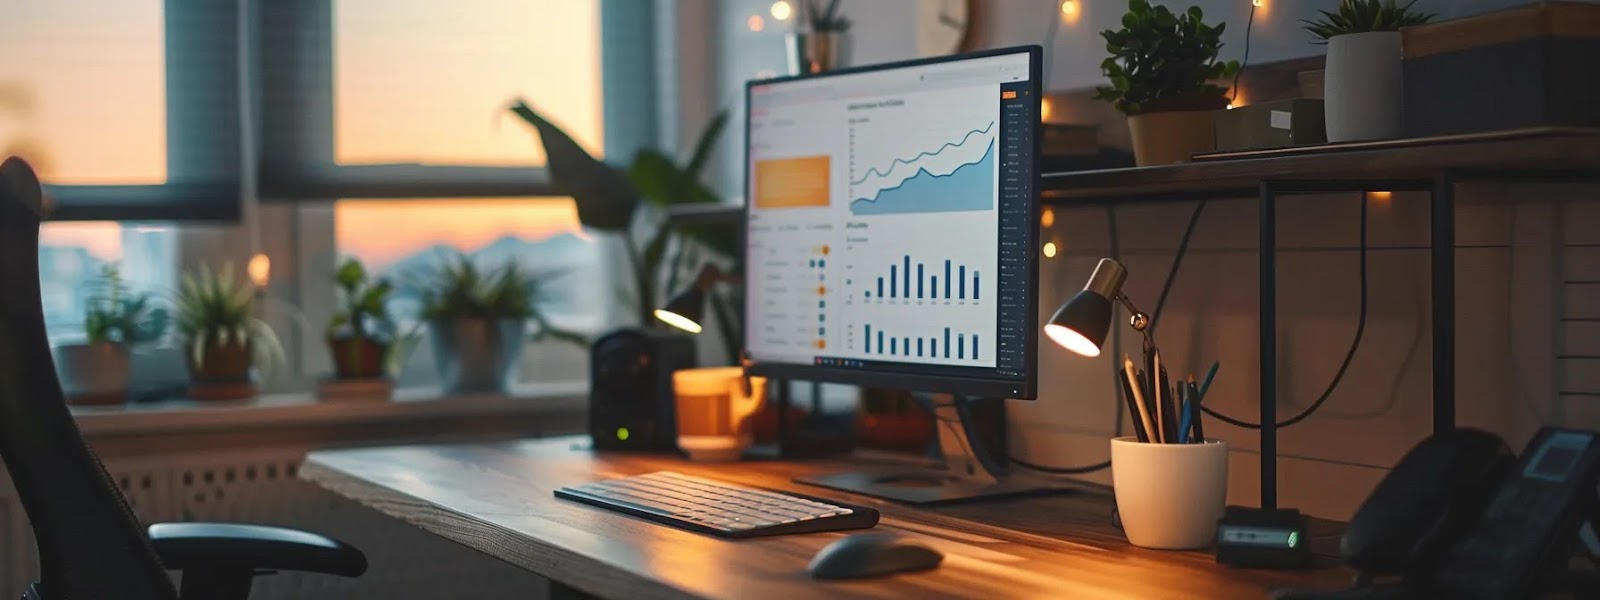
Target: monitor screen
point(891, 225)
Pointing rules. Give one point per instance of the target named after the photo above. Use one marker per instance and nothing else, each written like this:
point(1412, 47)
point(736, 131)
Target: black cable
point(1050, 43)
point(1177, 261)
point(1355, 342)
point(1249, 24)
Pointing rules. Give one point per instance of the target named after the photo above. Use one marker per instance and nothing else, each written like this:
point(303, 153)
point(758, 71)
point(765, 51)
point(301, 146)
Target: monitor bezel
point(1025, 388)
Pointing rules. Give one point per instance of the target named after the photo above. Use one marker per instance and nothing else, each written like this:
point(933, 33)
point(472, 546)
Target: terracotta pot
point(95, 373)
point(1170, 137)
point(357, 358)
point(223, 373)
point(476, 355)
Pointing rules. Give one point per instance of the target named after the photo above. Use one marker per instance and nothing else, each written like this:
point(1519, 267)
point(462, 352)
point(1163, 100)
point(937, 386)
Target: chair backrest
point(90, 545)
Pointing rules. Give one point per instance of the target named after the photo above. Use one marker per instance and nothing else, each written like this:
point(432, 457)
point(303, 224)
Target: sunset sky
point(82, 94)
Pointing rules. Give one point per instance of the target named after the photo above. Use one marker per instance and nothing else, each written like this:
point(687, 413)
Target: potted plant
point(361, 335)
point(224, 339)
point(478, 322)
point(97, 372)
point(1362, 85)
point(628, 203)
point(1161, 69)
point(819, 42)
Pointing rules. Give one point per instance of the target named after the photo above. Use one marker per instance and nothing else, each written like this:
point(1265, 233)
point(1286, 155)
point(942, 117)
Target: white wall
point(1507, 335)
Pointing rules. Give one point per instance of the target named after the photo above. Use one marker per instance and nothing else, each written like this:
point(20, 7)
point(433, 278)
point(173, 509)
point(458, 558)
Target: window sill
point(557, 402)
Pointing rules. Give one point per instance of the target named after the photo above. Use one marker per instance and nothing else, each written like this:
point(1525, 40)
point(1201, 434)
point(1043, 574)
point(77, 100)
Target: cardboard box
point(1276, 124)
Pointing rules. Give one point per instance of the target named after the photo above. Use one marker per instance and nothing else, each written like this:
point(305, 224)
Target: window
point(428, 82)
point(73, 255)
point(83, 90)
point(406, 240)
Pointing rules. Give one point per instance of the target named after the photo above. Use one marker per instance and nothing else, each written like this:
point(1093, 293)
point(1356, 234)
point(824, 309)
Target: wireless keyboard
point(720, 509)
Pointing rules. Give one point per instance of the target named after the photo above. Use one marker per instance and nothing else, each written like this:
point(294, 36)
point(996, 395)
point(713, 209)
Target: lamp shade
point(685, 311)
point(1082, 323)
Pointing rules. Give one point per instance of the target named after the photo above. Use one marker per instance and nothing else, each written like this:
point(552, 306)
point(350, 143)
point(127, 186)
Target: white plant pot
point(1363, 87)
point(95, 373)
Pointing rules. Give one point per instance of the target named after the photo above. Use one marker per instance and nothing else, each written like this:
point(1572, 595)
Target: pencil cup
point(1169, 496)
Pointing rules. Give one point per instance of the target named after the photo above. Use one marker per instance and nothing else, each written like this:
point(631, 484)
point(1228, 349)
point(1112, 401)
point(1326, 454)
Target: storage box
point(1523, 67)
point(1275, 124)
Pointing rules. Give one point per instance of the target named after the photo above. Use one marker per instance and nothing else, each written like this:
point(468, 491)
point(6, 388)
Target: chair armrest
point(232, 547)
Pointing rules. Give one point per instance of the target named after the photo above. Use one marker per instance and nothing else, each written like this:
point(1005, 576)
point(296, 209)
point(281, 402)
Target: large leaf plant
point(632, 202)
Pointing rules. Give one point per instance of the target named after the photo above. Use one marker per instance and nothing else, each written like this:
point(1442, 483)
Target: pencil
point(1159, 397)
point(1133, 405)
point(1143, 410)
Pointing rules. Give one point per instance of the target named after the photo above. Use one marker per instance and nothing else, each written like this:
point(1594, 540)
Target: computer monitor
point(891, 225)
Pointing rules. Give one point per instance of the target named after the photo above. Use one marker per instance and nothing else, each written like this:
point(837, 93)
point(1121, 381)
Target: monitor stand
point(972, 441)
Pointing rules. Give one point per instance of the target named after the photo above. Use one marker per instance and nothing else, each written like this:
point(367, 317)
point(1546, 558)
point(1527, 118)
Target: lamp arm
point(1136, 318)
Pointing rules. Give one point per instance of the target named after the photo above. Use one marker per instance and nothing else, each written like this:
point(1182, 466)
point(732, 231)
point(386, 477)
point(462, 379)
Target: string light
point(1047, 219)
point(1046, 109)
point(1049, 249)
point(756, 23)
point(1069, 8)
point(260, 270)
point(782, 10)
point(1257, 3)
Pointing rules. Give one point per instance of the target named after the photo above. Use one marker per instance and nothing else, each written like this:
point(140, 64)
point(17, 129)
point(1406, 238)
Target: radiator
point(261, 488)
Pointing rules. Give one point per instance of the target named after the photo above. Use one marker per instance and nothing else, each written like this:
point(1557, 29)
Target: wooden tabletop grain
point(498, 499)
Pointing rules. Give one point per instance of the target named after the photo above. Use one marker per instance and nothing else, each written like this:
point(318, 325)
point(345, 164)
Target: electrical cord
point(1249, 24)
point(1050, 42)
point(1355, 342)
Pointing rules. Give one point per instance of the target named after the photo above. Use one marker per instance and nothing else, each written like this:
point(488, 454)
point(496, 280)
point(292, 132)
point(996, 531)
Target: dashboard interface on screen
point(890, 221)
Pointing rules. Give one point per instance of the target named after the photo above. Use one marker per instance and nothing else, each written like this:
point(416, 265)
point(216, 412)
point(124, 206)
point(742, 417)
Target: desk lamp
point(687, 309)
point(1081, 325)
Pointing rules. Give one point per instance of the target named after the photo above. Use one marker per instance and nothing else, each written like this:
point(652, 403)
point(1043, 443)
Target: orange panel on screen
point(792, 182)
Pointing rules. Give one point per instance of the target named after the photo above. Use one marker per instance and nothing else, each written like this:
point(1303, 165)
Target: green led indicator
point(1294, 538)
point(622, 435)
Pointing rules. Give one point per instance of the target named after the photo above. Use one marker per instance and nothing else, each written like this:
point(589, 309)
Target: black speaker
point(631, 406)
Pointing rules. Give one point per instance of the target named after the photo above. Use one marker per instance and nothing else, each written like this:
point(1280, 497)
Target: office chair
point(90, 544)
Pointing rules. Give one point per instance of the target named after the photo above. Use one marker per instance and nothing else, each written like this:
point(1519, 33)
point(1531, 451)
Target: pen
point(1143, 413)
point(1133, 404)
point(1187, 409)
point(1199, 418)
point(1158, 386)
point(1205, 386)
point(1169, 408)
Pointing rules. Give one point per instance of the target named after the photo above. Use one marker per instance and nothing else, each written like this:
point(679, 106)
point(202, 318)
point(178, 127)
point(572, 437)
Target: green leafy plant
point(1364, 16)
point(459, 289)
point(363, 310)
point(610, 199)
point(825, 20)
point(119, 316)
point(1161, 60)
point(214, 310)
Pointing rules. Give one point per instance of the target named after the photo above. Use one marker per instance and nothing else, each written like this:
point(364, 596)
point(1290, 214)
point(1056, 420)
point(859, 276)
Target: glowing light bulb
point(1047, 218)
point(1069, 8)
point(1257, 2)
point(782, 10)
point(260, 270)
point(1049, 249)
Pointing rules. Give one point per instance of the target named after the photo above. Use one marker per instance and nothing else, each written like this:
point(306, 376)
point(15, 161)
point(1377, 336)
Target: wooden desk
point(497, 498)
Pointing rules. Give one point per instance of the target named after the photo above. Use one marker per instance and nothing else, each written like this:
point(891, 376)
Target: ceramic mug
point(1170, 496)
point(714, 411)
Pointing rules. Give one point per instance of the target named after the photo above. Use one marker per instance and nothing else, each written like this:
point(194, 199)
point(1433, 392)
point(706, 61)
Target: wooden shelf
point(1238, 174)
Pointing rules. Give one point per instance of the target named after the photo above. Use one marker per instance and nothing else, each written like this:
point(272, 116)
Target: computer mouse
point(872, 555)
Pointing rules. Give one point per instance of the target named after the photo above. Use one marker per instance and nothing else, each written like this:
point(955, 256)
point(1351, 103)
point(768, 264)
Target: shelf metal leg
point(1268, 328)
point(1443, 240)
